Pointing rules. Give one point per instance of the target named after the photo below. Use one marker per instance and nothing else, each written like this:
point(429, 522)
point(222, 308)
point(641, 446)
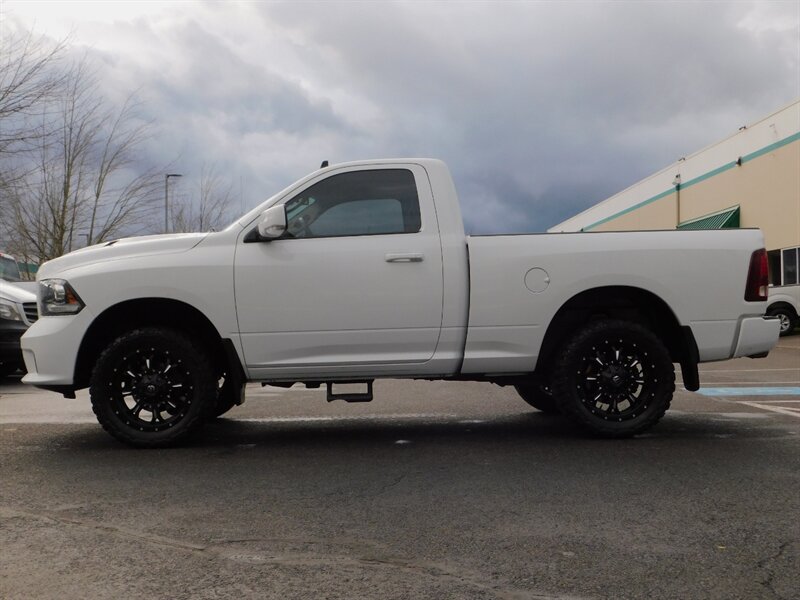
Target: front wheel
point(614, 378)
point(151, 387)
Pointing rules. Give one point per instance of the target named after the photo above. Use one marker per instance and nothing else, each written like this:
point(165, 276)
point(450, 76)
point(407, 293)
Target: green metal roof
point(726, 219)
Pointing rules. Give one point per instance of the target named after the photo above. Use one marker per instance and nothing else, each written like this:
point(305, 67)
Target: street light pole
point(166, 199)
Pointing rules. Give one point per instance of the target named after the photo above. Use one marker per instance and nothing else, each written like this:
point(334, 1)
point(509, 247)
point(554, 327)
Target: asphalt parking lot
point(433, 490)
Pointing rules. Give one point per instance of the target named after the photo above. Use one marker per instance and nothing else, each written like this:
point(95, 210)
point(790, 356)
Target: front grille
point(31, 311)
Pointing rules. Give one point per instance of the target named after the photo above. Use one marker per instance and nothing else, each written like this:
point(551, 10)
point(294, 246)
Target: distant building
point(751, 179)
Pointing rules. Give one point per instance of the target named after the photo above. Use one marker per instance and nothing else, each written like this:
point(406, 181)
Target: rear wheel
point(151, 387)
point(614, 378)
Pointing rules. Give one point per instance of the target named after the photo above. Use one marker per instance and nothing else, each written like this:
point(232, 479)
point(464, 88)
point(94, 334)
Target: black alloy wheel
point(615, 378)
point(152, 386)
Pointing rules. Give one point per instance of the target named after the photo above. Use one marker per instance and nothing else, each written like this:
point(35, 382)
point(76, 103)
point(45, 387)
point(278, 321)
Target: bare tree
point(29, 77)
point(88, 182)
point(209, 209)
point(31, 74)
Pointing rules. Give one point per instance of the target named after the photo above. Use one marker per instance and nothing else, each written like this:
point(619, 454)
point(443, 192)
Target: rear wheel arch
point(623, 303)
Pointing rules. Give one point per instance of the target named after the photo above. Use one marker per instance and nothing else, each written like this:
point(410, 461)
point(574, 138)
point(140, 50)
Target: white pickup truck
point(362, 271)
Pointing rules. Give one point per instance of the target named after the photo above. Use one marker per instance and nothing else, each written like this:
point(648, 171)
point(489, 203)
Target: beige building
point(751, 179)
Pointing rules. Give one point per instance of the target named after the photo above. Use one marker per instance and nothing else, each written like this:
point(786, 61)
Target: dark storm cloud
point(208, 79)
point(540, 109)
point(209, 106)
point(544, 109)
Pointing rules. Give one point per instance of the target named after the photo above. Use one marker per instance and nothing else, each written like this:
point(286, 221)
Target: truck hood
point(123, 248)
point(16, 293)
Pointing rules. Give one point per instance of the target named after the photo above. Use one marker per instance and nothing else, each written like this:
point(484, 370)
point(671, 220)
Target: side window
point(790, 266)
point(374, 202)
point(774, 258)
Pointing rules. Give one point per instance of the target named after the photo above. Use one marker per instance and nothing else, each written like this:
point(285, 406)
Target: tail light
point(757, 288)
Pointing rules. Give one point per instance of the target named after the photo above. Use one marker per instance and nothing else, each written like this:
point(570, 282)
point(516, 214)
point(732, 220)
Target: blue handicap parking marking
point(750, 391)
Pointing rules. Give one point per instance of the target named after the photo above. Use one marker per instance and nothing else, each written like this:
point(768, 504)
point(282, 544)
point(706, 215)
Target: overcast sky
point(541, 109)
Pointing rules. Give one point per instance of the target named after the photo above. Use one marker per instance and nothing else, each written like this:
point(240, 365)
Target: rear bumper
point(757, 336)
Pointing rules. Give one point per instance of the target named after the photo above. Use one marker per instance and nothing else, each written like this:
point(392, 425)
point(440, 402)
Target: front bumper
point(757, 336)
point(50, 349)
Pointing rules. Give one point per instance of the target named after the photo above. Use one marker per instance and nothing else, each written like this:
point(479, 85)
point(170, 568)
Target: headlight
point(9, 311)
point(56, 297)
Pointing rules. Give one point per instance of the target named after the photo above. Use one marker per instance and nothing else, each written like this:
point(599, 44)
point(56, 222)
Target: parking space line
point(712, 371)
point(782, 401)
point(749, 391)
point(792, 412)
point(750, 383)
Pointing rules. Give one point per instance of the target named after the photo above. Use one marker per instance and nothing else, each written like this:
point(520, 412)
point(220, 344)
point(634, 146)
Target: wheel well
point(619, 302)
point(131, 314)
point(782, 305)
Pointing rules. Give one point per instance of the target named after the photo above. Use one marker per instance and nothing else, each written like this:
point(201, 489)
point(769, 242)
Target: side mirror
point(271, 225)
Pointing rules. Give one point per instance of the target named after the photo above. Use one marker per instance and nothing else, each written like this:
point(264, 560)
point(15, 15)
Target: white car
point(17, 313)
point(362, 271)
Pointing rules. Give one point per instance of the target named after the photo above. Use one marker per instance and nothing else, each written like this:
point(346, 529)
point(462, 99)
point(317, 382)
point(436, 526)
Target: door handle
point(405, 257)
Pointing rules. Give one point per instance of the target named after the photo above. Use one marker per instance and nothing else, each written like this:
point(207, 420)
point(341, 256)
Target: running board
point(347, 393)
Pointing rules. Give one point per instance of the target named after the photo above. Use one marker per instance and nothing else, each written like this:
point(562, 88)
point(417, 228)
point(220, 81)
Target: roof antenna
point(324, 164)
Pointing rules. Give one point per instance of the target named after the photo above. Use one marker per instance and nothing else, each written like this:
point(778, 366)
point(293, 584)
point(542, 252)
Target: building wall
point(766, 186)
point(657, 214)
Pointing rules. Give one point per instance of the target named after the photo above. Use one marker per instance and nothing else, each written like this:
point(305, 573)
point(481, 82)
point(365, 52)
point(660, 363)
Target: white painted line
point(344, 418)
point(709, 371)
point(749, 391)
point(780, 401)
point(735, 415)
point(46, 420)
point(80, 420)
point(750, 383)
point(777, 409)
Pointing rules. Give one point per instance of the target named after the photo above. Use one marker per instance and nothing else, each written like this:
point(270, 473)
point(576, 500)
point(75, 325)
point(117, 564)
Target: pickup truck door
point(355, 285)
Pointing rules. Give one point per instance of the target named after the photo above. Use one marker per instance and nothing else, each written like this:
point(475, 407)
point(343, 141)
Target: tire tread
point(98, 395)
point(562, 381)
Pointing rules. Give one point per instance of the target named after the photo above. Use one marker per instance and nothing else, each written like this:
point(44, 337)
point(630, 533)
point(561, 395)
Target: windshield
point(9, 270)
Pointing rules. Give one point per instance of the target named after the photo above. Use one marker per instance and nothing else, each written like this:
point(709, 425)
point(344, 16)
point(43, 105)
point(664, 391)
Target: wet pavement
point(433, 490)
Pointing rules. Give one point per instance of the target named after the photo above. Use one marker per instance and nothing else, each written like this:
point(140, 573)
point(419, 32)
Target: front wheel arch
point(149, 312)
